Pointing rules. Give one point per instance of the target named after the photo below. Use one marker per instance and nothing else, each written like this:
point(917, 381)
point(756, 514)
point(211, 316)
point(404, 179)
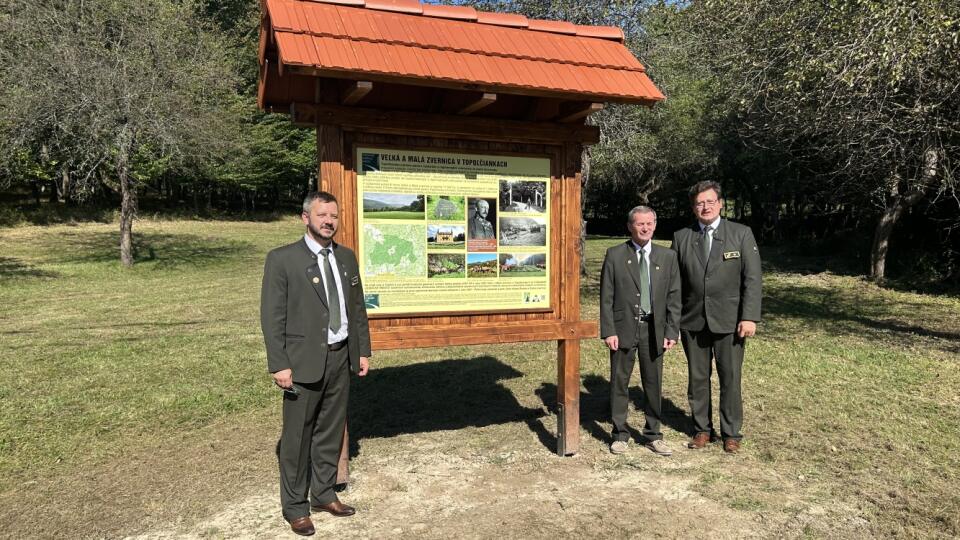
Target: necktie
point(644, 283)
point(706, 243)
point(333, 298)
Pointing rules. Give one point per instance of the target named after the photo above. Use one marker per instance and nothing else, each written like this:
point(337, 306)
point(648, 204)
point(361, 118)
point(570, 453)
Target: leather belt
point(336, 346)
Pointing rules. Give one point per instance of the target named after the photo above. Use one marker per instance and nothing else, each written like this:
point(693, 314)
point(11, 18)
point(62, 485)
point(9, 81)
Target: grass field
point(138, 398)
point(393, 214)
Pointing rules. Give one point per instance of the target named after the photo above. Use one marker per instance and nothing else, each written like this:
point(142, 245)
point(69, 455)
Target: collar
point(315, 246)
point(645, 249)
point(714, 225)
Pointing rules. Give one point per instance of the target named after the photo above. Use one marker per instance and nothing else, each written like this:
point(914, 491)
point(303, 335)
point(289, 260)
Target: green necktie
point(333, 298)
point(644, 284)
point(707, 241)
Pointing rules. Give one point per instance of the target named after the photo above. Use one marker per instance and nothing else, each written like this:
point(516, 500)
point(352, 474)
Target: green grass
point(452, 246)
point(393, 214)
point(523, 273)
point(458, 215)
point(851, 392)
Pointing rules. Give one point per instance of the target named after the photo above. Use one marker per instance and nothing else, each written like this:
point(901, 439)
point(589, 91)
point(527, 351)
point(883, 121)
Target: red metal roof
point(407, 40)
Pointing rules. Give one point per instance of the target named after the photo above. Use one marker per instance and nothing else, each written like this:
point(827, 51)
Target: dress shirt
point(341, 334)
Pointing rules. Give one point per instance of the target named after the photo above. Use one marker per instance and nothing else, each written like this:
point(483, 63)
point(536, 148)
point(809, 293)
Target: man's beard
point(318, 232)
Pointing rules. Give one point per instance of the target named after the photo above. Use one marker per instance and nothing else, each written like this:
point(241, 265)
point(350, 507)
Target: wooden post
point(568, 350)
point(330, 179)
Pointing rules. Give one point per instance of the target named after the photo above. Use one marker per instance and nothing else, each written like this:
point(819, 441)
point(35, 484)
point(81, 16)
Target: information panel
point(443, 232)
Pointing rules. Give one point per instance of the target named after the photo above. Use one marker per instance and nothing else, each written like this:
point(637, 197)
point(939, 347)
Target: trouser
point(701, 347)
point(309, 447)
point(651, 375)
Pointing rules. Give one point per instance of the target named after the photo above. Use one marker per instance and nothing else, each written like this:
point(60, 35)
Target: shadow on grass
point(161, 250)
point(842, 312)
point(437, 396)
point(595, 409)
point(11, 268)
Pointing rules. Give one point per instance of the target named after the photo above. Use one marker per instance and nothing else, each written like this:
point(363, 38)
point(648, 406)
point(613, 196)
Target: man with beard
point(315, 329)
point(720, 268)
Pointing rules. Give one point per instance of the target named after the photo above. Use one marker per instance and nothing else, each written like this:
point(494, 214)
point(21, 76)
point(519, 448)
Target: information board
point(444, 232)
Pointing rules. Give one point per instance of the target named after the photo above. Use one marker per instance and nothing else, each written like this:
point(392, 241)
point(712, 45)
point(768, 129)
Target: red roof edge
point(399, 6)
point(465, 13)
point(502, 19)
point(601, 32)
point(557, 27)
point(460, 13)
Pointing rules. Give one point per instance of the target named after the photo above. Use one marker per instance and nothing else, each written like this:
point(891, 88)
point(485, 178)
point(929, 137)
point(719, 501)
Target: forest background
point(833, 126)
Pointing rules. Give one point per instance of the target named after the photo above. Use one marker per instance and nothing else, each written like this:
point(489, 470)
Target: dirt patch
point(422, 486)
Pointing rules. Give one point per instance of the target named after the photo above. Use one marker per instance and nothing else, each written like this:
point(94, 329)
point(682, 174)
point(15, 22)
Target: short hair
point(705, 185)
point(483, 202)
point(640, 210)
point(321, 196)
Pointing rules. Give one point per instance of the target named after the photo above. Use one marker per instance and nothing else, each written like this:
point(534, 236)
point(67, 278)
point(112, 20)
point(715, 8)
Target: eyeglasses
point(706, 203)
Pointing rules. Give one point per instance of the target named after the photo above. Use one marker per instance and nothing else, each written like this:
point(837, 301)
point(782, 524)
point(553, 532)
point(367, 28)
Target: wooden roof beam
point(484, 100)
point(355, 91)
point(571, 112)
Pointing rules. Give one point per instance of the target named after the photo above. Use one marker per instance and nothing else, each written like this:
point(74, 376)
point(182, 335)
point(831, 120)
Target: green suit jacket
point(294, 315)
point(724, 290)
point(620, 295)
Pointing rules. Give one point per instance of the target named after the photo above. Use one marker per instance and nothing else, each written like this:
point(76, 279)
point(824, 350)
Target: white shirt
point(713, 228)
point(341, 334)
point(644, 251)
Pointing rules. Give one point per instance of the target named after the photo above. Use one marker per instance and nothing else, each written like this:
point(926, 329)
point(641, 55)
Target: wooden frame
point(340, 130)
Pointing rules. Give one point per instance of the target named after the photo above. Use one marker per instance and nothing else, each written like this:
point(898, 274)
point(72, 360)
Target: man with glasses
point(639, 315)
point(720, 269)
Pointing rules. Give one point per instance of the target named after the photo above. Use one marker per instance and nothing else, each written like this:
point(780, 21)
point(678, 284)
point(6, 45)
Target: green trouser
point(651, 375)
point(701, 347)
point(312, 435)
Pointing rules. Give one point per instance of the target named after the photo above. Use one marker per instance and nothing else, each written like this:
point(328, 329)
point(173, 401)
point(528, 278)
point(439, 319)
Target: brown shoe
point(302, 526)
point(335, 508)
point(699, 440)
point(731, 446)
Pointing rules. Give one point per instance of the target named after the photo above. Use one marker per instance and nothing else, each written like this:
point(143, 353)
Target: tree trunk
point(64, 186)
point(128, 209)
point(894, 208)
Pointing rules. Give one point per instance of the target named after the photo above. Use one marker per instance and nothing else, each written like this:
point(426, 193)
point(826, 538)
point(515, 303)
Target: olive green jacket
point(294, 315)
point(725, 289)
point(620, 295)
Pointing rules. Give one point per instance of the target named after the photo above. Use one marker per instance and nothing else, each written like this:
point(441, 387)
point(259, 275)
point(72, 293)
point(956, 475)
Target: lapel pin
point(316, 280)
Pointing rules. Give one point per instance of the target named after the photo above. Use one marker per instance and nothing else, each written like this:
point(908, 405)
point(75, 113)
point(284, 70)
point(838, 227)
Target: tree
point(116, 90)
point(863, 92)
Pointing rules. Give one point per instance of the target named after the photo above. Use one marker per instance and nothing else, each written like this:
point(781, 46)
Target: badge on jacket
point(731, 255)
point(354, 281)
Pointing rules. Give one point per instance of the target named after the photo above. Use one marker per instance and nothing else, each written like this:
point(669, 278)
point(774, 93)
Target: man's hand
point(668, 343)
point(746, 329)
point(364, 366)
point(613, 342)
point(284, 378)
